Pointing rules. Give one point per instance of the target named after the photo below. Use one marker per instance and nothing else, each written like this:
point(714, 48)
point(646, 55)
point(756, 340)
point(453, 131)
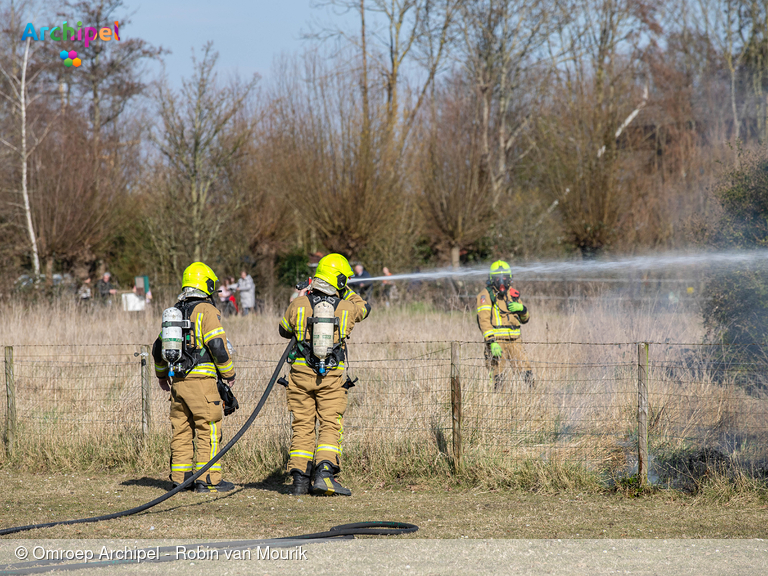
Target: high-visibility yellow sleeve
point(363, 308)
point(210, 334)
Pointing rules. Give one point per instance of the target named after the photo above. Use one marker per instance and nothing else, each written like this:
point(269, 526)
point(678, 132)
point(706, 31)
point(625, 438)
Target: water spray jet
point(708, 261)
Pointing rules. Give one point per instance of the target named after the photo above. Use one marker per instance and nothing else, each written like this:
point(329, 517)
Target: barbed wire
point(398, 342)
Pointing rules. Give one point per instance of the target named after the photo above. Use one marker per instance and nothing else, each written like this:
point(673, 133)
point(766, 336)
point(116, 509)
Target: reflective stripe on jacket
point(495, 320)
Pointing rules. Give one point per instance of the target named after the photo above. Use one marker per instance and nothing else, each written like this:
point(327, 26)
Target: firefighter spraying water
point(499, 317)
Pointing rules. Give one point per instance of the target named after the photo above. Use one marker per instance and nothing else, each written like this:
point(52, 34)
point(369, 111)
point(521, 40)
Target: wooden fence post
point(10, 395)
point(643, 353)
point(456, 402)
point(146, 392)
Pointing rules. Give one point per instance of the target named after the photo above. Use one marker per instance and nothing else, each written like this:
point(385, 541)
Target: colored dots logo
point(70, 58)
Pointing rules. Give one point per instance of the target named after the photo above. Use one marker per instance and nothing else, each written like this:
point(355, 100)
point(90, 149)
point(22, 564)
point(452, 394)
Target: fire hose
point(170, 553)
point(347, 530)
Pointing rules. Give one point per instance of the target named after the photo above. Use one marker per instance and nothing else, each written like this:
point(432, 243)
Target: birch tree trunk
point(24, 158)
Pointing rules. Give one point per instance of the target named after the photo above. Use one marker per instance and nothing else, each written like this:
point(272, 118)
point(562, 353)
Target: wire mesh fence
point(581, 406)
point(708, 409)
point(578, 407)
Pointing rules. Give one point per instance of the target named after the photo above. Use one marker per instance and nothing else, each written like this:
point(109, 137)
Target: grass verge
point(263, 509)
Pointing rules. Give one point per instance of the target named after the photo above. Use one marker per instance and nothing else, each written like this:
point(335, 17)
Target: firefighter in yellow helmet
point(321, 318)
point(499, 316)
point(196, 406)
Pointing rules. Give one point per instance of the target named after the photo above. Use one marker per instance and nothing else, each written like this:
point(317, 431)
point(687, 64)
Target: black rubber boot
point(208, 488)
point(324, 483)
point(300, 484)
point(301, 480)
point(187, 476)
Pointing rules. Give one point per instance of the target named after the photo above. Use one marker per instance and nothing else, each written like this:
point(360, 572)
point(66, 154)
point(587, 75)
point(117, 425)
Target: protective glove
point(225, 392)
point(515, 307)
point(165, 384)
point(496, 350)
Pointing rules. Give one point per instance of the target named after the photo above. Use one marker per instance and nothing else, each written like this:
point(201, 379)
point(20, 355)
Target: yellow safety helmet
point(334, 269)
point(500, 268)
point(200, 276)
point(501, 276)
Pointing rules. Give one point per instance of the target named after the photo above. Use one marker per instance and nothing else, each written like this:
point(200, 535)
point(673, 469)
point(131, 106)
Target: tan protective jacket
point(351, 309)
point(495, 320)
point(208, 335)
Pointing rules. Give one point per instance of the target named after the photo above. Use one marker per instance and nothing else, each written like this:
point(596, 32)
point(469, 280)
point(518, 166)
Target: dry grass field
point(538, 462)
point(78, 397)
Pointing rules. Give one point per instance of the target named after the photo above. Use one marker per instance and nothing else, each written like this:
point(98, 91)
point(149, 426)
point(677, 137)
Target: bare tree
point(458, 202)
point(341, 181)
point(404, 31)
point(22, 88)
point(502, 42)
point(723, 22)
point(203, 131)
point(74, 216)
point(263, 225)
point(595, 94)
point(110, 76)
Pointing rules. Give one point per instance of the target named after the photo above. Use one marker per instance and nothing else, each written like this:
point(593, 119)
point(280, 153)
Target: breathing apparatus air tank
point(322, 332)
point(172, 337)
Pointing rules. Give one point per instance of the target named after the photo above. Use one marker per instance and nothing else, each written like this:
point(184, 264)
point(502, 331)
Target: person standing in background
point(231, 287)
point(364, 288)
point(225, 293)
point(389, 290)
point(105, 290)
point(84, 293)
point(247, 289)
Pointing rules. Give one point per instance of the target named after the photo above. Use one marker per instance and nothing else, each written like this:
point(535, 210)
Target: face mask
point(502, 284)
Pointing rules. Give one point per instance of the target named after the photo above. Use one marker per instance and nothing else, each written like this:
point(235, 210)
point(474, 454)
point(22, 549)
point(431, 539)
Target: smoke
point(702, 261)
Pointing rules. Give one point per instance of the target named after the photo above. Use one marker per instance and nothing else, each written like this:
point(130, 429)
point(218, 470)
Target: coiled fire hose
point(369, 528)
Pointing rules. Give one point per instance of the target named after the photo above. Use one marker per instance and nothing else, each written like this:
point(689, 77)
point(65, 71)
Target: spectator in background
point(247, 289)
point(363, 288)
point(389, 290)
point(84, 293)
point(232, 287)
point(227, 297)
point(105, 290)
point(147, 295)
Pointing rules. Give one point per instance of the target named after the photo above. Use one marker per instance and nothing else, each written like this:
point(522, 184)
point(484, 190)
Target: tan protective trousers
point(314, 398)
point(513, 357)
point(196, 410)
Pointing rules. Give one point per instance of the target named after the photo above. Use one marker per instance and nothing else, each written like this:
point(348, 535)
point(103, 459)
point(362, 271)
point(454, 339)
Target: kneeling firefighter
point(322, 318)
point(190, 355)
point(499, 316)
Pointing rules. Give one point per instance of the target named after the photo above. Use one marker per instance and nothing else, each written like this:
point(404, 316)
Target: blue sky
point(248, 34)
